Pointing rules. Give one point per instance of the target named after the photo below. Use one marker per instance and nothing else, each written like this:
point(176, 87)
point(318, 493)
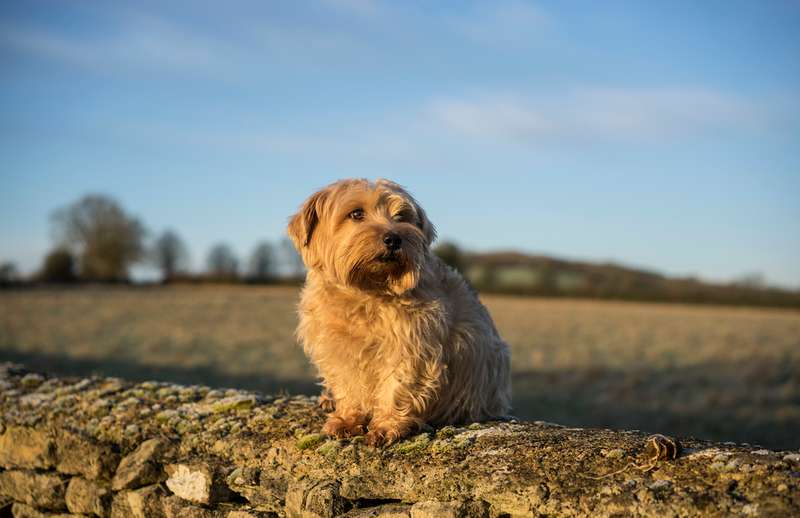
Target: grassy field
point(713, 372)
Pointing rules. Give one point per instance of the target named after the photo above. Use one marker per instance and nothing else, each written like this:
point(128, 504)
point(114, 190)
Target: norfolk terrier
point(398, 337)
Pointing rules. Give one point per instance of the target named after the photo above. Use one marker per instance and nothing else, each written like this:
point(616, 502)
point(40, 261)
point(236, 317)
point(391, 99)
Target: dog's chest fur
point(382, 340)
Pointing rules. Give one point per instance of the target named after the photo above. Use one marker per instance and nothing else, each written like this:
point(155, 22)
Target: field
point(730, 374)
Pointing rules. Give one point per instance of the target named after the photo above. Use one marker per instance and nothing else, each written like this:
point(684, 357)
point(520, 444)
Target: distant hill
point(517, 273)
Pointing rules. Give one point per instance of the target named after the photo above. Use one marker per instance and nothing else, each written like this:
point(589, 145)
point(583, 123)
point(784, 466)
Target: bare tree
point(222, 261)
point(106, 239)
point(170, 254)
point(262, 262)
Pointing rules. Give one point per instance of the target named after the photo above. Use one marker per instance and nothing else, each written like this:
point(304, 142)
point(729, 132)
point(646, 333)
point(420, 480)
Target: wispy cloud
point(136, 41)
point(140, 41)
point(607, 113)
point(507, 22)
point(359, 7)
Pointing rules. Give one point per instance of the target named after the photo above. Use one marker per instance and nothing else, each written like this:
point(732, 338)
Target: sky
point(663, 135)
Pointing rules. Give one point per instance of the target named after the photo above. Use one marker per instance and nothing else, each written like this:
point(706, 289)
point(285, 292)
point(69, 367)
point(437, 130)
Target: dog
point(399, 338)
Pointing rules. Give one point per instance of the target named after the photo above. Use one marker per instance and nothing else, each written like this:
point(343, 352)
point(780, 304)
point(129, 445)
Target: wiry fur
point(397, 342)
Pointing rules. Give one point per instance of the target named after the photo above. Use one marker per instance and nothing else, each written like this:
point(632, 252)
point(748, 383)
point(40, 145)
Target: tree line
point(515, 273)
point(96, 240)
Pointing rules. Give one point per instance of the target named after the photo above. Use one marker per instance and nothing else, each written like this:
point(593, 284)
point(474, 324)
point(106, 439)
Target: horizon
point(664, 138)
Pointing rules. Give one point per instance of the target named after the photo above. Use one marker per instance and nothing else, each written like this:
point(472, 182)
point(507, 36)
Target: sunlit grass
point(717, 372)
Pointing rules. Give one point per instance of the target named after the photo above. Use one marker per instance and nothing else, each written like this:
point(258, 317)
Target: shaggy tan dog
point(399, 338)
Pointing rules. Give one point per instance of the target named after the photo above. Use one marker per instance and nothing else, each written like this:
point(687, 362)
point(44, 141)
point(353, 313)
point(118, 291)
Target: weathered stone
point(77, 454)
point(309, 499)
point(5, 505)
point(200, 483)
point(146, 502)
point(249, 514)
point(43, 490)
point(263, 490)
point(140, 467)
point(381, 511)
point(23, 447)
point(119, 506)
point(486, 470)
point(432, 509)
point(26, 511)
point(237, 402)
point(175, 507)
point(88, 497)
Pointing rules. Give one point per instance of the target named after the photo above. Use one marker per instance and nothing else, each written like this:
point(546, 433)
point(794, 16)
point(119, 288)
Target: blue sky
point(664, 135)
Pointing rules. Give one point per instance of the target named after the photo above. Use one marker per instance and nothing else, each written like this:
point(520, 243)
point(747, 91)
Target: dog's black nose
point(392, 241)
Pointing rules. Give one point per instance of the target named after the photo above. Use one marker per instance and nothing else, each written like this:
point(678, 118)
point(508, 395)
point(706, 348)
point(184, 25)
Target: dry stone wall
point(106, 447)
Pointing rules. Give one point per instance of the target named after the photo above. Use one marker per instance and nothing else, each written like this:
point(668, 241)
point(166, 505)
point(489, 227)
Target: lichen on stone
point(233, 403)
point(413, 445)
point(309, 441)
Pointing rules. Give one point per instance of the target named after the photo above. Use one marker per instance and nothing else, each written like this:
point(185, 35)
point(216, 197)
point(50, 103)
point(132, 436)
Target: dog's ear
point(302, 225)
point(428, 230)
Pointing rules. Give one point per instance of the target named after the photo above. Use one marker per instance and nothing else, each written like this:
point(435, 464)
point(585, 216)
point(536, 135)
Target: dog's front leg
point(403, 407)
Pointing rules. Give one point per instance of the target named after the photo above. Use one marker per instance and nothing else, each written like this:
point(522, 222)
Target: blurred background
point(622, 185)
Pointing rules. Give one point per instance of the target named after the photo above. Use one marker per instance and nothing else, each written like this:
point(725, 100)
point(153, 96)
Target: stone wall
point(106, 447)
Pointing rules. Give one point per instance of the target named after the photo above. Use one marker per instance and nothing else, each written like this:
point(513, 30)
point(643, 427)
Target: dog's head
point(369, 235)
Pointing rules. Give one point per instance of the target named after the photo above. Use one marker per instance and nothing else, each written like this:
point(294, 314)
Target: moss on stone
point(416, 444)
point(446, 432)
point(329, 449)
point(309, 441)
point(233, 403)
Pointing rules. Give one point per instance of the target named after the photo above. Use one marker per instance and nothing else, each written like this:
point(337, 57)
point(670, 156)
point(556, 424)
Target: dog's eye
point(357, 214)
point(399, 218)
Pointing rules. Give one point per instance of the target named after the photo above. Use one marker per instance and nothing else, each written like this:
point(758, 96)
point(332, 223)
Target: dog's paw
point(375, 438)
point(327, 403)
point(343, 428)
point(335, 427)
point(383, 436)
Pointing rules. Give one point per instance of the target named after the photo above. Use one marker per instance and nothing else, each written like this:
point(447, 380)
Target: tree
point(105, 239)
point(291, 259)
point(262, 262)
point(222, 261)
point(59, 266)
point(170, 254)
point(8, 272)
point(451, 254)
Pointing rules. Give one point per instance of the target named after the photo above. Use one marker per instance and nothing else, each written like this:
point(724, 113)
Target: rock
point(175, 507)
point(233, 403)
point(381, 511)
point(119, 506)
point(26, 511)
point(145, 502)
point(248, 514)
point(22, 447)
point(250, 445)
point(309, 441)
point(87, 497)
point(31, 380)
point(199, 483)
point(80, 455)
point(792, 457)
point(432, 509)
point(140, 467)
point(43, 490)
point(305, 499)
